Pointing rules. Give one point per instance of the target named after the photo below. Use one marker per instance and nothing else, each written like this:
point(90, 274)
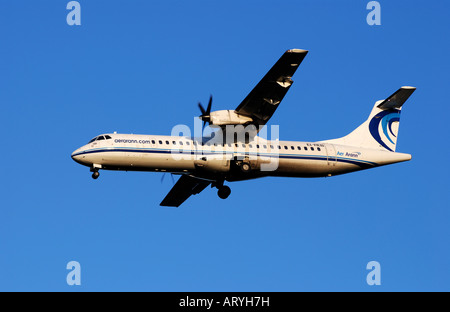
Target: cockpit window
point(100, 137)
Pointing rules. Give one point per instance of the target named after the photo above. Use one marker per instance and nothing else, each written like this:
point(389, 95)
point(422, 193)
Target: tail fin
point(380, 130)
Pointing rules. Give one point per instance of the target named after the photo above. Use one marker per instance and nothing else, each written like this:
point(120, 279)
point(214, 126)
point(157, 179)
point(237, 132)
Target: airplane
point(234, 153)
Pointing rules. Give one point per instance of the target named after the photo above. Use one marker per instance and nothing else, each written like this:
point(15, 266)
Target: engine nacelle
point(228, 117)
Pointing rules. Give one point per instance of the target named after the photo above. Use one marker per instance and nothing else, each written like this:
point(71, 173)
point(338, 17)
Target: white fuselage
point(183, 155)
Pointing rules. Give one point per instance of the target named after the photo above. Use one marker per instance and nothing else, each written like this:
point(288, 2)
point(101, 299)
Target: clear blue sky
point(141, 67)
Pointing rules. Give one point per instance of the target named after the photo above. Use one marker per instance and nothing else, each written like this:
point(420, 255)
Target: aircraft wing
point(183, 189)
point(263, 100)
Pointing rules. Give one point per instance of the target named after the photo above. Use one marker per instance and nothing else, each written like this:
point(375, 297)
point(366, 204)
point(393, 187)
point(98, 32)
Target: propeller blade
point(208, 110)
point(164, 175)
point(201, 109)
point(205, 116)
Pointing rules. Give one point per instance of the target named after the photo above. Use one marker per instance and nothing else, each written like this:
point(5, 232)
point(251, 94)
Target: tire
point(224, 192)
point(245, 167)
point(95, 175)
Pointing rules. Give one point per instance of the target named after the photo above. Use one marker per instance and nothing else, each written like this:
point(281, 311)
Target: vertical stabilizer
point(380, 130)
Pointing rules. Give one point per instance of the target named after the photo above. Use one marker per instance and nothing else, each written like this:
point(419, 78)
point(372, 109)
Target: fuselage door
point(331, 154)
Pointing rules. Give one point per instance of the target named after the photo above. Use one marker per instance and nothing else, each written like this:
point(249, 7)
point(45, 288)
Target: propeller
point(171, 175)
point(206, 114)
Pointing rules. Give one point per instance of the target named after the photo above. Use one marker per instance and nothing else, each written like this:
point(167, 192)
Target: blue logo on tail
point(386, 118)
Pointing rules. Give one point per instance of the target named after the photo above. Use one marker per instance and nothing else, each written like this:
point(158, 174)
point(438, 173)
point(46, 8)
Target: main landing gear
point(243, 164)
point(223, 191)
point(245, 167)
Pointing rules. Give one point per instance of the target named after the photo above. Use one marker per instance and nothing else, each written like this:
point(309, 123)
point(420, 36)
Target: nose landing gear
point(95, 173)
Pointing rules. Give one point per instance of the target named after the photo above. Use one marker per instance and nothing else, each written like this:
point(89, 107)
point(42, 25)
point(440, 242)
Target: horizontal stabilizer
point(397, 99)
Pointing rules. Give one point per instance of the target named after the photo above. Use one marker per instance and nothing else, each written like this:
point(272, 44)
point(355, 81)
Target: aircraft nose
point(76, 155)
point(79, 156)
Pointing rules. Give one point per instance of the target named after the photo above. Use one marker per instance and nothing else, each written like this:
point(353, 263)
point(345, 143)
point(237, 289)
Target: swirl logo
point(385, 119)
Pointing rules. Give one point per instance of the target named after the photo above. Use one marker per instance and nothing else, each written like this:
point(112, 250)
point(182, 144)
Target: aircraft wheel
point(95, 175)
point(245, 167)
point(224, 192)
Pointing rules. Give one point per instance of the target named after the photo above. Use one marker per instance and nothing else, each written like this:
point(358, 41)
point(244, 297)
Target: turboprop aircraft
point(237, 152)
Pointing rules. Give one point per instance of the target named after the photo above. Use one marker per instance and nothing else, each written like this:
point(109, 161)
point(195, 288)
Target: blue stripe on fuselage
point(203, 152)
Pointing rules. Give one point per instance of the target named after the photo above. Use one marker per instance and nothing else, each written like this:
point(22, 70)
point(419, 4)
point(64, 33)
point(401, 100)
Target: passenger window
point(174, 143)
point(271, 146)
point(243, 145)
point(279, 146)
point(285, 147)
point(153, 141)
point(306, 148)
point(181, 143)
point(292, 148)
point(312, 148)
point(250, 146)
point(265, 146)
point(160, 142)
point(167, 142)
point(318, 149)
point(299, 148)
